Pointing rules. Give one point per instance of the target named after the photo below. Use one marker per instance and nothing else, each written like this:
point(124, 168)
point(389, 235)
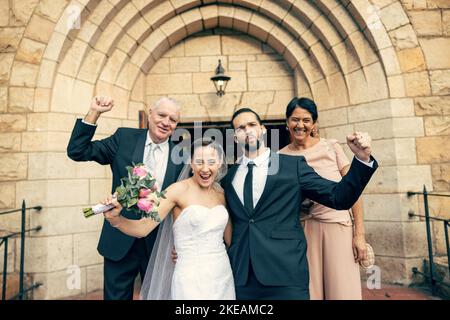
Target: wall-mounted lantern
point(220, 80)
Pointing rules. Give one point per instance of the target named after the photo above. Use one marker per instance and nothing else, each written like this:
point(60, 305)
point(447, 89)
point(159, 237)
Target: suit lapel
point(229, 188)
point(138, 154)
point(271, 178)
point(169, 177)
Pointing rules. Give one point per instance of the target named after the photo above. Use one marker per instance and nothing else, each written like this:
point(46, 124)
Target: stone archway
point(343, 56)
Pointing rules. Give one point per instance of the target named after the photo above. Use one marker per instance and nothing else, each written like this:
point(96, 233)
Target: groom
point(264, 191)
point(125, 256)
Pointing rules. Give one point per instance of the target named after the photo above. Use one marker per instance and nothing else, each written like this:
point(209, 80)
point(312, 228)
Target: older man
point(125, 256)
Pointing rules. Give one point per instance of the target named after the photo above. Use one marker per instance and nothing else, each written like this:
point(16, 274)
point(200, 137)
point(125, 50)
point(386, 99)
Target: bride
point(200, 226)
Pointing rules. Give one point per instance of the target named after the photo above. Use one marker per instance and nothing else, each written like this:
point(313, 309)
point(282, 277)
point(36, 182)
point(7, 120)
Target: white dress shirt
point(161, 154)
point(259, 176)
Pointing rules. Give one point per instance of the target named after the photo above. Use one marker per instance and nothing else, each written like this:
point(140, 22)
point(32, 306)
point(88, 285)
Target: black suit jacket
point(125, 146)
point(271, 236)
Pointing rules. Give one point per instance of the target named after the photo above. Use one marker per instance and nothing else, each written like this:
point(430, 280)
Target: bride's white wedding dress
point(202, 270)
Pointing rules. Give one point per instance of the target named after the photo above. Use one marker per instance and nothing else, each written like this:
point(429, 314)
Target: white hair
point(161, 100)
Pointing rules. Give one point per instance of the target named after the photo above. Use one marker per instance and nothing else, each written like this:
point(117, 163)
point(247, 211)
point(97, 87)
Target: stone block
point(388, 207)
point(446, 22)
point(91, 67)
point(85, 249)
point(59, 284)
point(46, 74)
point(45, 141)
point(407, 239)
point(24, 74)
point(393, 16)
point(395, 127)
point(268, 69)
point(76, 192)
point(99, 190)
point(161, 66)
point(236, 45)
point(50, 165)
point(433, 150)
point(434, 50)
point(276, 109)
point(46, 254)
point(411, 59)
point(73, 58)
point(64, 220)
point(270, 83)
point(203, 46)
point(432, 106)
point(6, 61)
point(42, 98)
point(7, 196)
point(9, 142)
point(4, 13)
point(39, 29)
point(13, 122)
point(381, 109)
point(417, 84)
point(175, 83)
point(441, 176)
point(400, 179)
point(30, 51)
point(404, 38)
point(185, 64)
point(20, 99)
point(94, 278)
point(209, 63)
point(440, 82)
point(51, 9)
point(339, 133)
point(437, 126)
point(14, 166)
point(426, 23)
point(9, 39)
point(220, 108)
point(329, 118)
point(3, 99)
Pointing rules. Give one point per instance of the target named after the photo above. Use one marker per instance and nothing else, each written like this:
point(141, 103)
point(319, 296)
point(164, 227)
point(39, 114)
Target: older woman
point(335, 243)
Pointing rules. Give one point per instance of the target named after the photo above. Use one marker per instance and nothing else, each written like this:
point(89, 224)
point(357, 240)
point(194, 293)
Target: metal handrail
point(427, 217)
point(38, 208)
point(4, 240)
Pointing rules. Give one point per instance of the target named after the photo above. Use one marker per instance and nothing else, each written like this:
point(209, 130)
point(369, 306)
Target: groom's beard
point(252, 148)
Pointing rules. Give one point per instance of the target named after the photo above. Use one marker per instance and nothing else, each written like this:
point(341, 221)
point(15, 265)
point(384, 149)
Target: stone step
point(441, 274)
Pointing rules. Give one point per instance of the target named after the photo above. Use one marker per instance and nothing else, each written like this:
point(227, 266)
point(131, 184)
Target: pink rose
point(141, 172)
point(145, 205)
point(144, 192)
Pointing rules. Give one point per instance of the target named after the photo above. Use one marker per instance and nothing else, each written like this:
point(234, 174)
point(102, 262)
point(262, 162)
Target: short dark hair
point(303, 103)
point(243, 110)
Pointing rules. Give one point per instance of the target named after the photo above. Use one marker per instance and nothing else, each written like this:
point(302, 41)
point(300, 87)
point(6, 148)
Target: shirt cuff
point(369, 164)
point(91, 124)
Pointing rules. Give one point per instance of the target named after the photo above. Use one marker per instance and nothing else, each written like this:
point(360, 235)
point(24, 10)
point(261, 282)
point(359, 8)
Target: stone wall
point(260, 78)
point(430, 88)
point(380, 66)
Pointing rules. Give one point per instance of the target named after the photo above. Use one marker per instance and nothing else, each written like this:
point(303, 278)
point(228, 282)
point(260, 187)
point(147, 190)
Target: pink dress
point(334, 274)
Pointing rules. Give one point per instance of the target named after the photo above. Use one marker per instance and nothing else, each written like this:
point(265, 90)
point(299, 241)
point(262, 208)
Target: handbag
point(369, 261)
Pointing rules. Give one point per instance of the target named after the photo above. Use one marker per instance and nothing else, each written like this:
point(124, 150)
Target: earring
point(287, 129)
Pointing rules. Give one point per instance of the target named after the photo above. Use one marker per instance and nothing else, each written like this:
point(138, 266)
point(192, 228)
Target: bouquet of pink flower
point(138, 193)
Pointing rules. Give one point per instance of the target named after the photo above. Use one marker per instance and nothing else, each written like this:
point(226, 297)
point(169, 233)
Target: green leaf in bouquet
point(132, 202)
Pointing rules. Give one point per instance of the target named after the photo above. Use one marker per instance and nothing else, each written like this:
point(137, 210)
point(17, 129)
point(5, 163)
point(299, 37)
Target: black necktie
point(248, 188)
